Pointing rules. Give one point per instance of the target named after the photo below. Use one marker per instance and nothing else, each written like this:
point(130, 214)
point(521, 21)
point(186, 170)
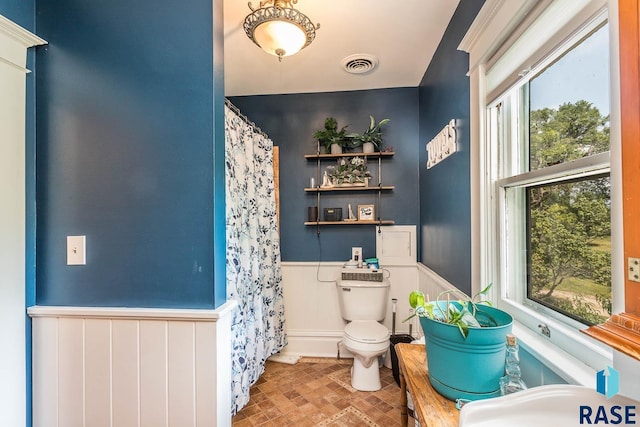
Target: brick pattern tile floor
point(317, 392)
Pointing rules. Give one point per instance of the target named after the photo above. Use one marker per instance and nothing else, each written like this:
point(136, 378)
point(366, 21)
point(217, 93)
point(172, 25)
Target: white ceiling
point(402, 34)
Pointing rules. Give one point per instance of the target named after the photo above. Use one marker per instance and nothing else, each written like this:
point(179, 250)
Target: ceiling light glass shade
point(278, 28)
point(280, 38)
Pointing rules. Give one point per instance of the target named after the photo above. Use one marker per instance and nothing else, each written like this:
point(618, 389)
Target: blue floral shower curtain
point(254, 277)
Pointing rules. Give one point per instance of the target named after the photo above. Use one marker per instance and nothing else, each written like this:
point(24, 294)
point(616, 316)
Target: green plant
point(331, 135)
point(349, 171)
point(373, 134)
point(462, 313)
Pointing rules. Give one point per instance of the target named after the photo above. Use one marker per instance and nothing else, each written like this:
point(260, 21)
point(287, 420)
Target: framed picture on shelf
point(366, 213)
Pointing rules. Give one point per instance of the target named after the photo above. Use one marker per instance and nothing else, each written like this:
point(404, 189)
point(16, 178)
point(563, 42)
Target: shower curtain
point(254, 277)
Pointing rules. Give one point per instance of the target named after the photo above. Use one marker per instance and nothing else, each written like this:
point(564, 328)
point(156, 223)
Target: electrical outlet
point(634, 269)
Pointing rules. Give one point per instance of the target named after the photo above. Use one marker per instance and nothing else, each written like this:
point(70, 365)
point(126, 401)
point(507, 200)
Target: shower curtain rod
point(245, 118)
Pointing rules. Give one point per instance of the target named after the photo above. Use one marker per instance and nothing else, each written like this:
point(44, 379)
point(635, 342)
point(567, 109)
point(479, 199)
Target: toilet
point(363, 297)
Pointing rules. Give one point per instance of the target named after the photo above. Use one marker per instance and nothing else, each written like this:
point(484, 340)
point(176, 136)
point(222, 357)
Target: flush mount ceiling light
point(278, 28)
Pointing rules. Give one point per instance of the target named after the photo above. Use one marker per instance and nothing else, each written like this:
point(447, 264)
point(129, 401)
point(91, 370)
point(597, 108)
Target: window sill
point(620, 332)
point(569, 368)
point(570, 354)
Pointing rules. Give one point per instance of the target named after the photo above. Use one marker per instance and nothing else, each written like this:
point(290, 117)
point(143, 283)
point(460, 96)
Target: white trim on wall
point(14, 41)
point(133, 367)
point(132, 313)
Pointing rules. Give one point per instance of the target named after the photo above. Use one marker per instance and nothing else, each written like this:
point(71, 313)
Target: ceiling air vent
point(360, 63)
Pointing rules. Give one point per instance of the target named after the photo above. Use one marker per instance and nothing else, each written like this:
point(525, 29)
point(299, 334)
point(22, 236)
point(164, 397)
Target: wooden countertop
point(431, 408)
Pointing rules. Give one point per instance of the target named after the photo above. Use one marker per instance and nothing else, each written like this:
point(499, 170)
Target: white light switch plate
point(76, 250)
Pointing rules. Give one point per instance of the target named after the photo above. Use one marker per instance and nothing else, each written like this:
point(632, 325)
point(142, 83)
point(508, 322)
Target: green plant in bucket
point(465, 333)
point(464, 314)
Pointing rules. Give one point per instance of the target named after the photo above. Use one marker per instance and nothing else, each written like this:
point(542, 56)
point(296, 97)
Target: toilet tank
point(363, 299)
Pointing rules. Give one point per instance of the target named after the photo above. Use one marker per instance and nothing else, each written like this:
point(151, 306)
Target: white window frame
point(495, 43)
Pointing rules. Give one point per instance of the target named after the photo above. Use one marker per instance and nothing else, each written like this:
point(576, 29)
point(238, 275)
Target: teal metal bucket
point(468, 368)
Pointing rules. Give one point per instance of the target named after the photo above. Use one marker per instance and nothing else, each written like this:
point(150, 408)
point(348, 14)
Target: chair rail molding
point(14, 41)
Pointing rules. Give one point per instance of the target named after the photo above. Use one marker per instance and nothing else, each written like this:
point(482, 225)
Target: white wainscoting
point(129, 367)
point(313, 321)
point(430, 283)
point(314, 325)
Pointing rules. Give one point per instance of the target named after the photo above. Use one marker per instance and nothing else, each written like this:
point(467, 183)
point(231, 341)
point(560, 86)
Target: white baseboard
point(313, 344)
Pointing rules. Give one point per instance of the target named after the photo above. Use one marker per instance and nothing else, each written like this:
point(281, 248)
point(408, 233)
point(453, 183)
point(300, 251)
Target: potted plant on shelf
point(330, 137)
point(349, 172)
point(465, 342)
point(370, 139)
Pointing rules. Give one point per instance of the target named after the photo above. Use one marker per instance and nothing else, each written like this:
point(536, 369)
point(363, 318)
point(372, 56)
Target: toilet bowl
point(367, 340)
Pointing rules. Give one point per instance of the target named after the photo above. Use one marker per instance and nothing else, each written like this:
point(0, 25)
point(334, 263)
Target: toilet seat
point(366, 332)
point(366, 335)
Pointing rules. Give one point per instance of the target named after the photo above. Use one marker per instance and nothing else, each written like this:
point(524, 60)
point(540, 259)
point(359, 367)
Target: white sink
point(551, 405)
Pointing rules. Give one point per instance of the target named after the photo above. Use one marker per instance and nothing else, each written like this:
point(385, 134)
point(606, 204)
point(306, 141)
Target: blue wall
point(22, 12)
point(126, 127)
point(126, 106)
point(290, 121)
point(445, 205)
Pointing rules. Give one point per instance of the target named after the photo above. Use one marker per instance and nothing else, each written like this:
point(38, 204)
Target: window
point(554, 183)
point(542, 170)
point(549, 145)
